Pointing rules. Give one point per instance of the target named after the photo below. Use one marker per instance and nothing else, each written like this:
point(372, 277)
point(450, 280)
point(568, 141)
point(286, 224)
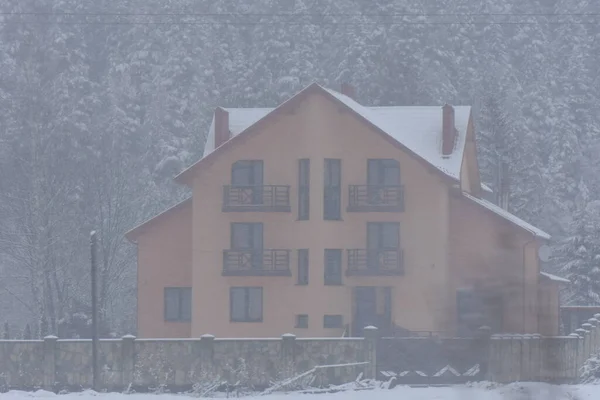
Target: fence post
point(484, 336)
point(371, 335)
point(128, 357)
point(288, 343)
point(207, 353)
point(577, 358)
point(496, 361)
point(597, 344)
point(525, 358)
point(588, 339)
point(593, 333)
point(581, 347)
point(516, 359)
point(536, 355)
point(50, 362)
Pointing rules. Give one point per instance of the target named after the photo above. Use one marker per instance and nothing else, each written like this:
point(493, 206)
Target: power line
point(322, 24)
point(94, 14)
point(294, 19)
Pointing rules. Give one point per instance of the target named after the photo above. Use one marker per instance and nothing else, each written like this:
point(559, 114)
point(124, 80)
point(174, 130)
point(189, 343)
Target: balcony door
point(381, 174)
point(383, 243)
point(247, 177)
point(247, 238)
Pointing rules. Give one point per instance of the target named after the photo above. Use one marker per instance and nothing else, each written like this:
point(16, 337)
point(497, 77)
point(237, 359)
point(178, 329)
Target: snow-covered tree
point(97, 113)
point(27, 333)
point(6, 332)
point(581, 256)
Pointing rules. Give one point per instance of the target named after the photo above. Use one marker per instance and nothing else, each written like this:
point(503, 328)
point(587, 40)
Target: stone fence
point(143, 364)
point(555, 359)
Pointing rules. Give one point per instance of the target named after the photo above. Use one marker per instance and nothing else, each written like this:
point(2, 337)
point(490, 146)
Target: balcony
point(256, 262)
point(264, 198)
point(381, 198)
point(375, 262)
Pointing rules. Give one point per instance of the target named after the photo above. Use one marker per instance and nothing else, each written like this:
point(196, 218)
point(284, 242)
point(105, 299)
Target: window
point(383, 172)
point(383, 235)
point(247, 239)
point(302, 321)
point(247, 235)
point(178, 304)
point(332, 203)
point(333, 266)
point(383, 182)
point(247, 173)
point(246, 304)
point(302, 266)
point(303, 189)
point(333, 321)
point(383, 238)
point(248, 176)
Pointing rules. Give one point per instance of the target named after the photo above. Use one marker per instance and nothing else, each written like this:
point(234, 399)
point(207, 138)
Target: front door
point(372, 307)
point(477, 308)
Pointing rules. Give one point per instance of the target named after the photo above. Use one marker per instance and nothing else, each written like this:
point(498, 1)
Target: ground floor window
point(178, 304)
point(246, 304)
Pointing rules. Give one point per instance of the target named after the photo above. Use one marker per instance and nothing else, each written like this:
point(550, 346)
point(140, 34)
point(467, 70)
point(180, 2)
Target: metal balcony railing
point(375, 262)
point(365, 198)
point(256, 262)
point(263, 198)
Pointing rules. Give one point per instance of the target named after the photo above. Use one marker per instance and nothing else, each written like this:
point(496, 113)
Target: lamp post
point(94, 312)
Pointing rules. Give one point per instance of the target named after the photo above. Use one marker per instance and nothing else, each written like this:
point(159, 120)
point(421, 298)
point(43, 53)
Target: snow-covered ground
point(482, 392)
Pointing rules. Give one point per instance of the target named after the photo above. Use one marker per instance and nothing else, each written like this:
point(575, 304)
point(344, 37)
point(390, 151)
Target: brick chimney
point(348, 90)
point(448, 130)
point(221, 126)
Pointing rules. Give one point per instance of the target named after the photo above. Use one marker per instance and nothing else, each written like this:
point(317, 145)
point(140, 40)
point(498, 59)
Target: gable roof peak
point(415, 129)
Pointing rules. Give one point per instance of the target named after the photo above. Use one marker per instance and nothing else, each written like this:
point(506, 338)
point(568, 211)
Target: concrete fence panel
point(22, 364)
point(145, 364)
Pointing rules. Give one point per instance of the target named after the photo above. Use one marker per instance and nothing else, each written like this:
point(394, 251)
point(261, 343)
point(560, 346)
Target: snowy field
point(481, 392)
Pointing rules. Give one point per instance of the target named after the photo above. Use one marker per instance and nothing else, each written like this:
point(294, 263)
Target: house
point(322, 216)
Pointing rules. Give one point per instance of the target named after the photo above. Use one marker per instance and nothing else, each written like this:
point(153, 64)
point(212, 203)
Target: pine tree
point(580, 253)
point(43, 327)
point(498, 146)
point(95, 119)
point(6, 333)
point(27, 333)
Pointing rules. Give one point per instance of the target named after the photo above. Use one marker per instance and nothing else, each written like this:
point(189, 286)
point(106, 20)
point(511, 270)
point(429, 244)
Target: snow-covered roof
point(417, 128)
point(508, 216)
point(554, 277)
point(134, 232)
point(486, 188)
